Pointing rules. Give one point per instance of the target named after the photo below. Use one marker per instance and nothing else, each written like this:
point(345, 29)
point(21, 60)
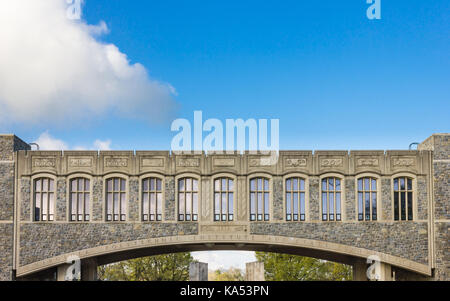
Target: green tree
point(232, 274)
point(169, 267)
point(285, 267)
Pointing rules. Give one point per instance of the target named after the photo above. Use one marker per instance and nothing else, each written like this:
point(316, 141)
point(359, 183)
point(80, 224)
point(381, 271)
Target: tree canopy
point(285, 267)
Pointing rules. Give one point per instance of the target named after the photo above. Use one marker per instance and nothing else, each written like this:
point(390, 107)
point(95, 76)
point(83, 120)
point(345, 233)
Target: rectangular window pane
point(338, 185)
point(152, 184)
point(410, 206)
point(374, 184)
point(259, 184)
point(252, 185)
point(152, 203)
point(374, 205)
point(302, 185)
point(295, 203)
point(116, 203)
point(109, 185)
point(288, 203)
point(302, 203)
point(367, 184)
point(324, 203)
point(409, 184)
point(230, 203)
point(331, 203)
point(122, 185)
point(295, 184)
point(266, 203)
point(367, 202)
point(360, 185)
point(217, 185)
point(396, 217)
point(109, 204)
point(224, 185)
point(37, 185)
point(80, 203)
point(181, 203)
point(360, 204)
point(159, 203)
point(80, 184)
point(123, 205)
point(195, 203)
point(324, 184)
point(266, 185)
point(252, 203)
point(181, 185)
point(216, 203)
point(73, 203)
point(224, 203)
point(402, 183)
point(87, 185)
point(403, 205)
point(338, 204)
point(116, 185)
point(395, 184)
point(230, 185)
point(44, 203)
point(260, 203)
point(288, 185)
point(330, 184)
point(194, 185)
point(188, 184)
point(145, 204)
point(158, 184)
point(188, 203)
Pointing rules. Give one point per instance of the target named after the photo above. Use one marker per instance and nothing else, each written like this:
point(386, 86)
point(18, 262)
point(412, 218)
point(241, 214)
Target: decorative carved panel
point(188, 162)
point(331, 162)
point(367, 162)
point(80, 162)
point(44, 162)
point(116, 162)
point(224, 162)
point(295, 162)
point(152, 162)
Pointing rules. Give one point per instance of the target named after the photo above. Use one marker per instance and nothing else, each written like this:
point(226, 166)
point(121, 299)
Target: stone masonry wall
point(8, 145)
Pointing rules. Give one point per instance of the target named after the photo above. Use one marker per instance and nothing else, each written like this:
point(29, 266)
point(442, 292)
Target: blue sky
point(335, 79)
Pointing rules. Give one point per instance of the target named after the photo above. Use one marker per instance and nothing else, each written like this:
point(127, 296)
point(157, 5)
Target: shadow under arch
point(234, 242)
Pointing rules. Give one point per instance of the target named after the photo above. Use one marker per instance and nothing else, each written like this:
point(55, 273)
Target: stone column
point(198, 271)
point(89, 269)
point(254, 271)
point(359, 270)
point(9, 145)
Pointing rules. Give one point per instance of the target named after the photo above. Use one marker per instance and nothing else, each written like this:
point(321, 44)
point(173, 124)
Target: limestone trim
point(380, 216)
point(235, 239)
point(32, 200)
point(415, 193)
point(269, 177)
point(236, 194)
point(343, 199)
point(127, 196)
point(304, 177)
point(140, 200)
point(68, 204)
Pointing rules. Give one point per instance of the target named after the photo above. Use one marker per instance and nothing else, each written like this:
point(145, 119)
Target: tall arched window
point(295, 199)
point(367, 199)
point(188, 199)
point(44, 199)
point(223, 199)
point(152, 199)
point(80, 196)
point(116, 199)
point(259, 199)
point(331, 199)
point(403, 199)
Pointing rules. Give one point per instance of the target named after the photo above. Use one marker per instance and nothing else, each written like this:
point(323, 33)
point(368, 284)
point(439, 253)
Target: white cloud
point(48, 142)
point(54, 70)
point(225, 259)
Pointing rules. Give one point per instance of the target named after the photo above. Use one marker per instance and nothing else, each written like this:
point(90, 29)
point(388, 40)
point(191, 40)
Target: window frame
point(270, 191)
point(105, 198)
point(306, 191)
point(235, 195)
point(378, 192)
point(68, 196)
point(414, 191)
point(141, 196)
point(199, 196)
point(342, 202)
point(33, 197)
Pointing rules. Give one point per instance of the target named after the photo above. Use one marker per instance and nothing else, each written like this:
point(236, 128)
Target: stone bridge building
point(114, 205)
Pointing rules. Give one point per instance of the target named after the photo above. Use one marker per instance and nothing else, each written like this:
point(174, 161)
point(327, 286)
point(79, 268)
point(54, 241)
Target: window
point(403, 199)
point(79, 199)
point(331, 199)
point(188, 199)
point(44, 199)
point(367, 199)
point(223, 199)
point(152, 199)
point(295, 199)
point(115, 199)
point(259, 199)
